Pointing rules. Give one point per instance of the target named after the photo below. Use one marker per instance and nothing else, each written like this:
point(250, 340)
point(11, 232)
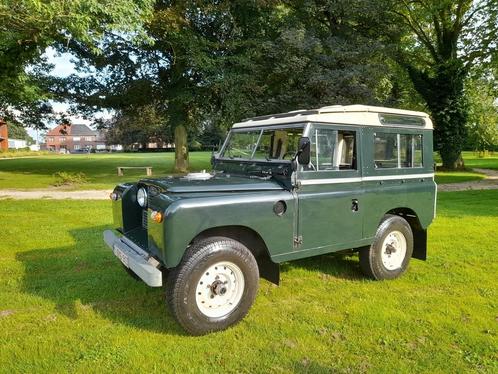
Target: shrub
point(63, 178)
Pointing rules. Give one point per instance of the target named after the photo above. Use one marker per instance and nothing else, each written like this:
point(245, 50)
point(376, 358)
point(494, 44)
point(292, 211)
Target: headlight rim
point(144, 204)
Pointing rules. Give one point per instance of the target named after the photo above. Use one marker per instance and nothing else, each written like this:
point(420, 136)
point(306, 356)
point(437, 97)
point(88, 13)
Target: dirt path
point(50, 193)
point(488, 183)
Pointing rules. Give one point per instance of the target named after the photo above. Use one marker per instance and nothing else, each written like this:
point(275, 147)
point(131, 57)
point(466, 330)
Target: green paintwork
point(242, 194)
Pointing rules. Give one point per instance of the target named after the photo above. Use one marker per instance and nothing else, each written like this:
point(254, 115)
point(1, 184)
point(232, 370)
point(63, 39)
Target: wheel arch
point(419, 233)
point(268, 269)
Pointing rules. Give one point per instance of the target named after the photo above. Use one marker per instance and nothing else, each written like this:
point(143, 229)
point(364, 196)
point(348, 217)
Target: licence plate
point(121, 255)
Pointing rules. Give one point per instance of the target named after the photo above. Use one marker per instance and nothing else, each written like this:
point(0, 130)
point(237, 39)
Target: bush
point(63, 178)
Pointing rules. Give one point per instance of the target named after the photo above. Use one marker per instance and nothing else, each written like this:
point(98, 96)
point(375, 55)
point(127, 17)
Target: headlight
point(142, 197)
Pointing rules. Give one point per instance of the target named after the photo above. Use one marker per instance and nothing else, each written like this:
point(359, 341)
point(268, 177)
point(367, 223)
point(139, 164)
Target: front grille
point(144, 219)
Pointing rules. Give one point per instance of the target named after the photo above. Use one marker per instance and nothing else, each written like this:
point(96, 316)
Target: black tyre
point(390, 253)
point(214, 286)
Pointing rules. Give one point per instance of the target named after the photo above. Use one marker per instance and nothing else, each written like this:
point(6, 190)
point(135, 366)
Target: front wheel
point(390, 253)
point(214, 286)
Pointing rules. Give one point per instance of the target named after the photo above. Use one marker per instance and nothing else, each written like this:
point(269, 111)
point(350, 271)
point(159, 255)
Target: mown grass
point(66, 305)
point(444, 177)
point(24, 153)
point(99, 169)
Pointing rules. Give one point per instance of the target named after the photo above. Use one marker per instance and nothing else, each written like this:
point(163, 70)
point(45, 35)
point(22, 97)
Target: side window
point(386, 150)
point(332, 150)
point(397, 151)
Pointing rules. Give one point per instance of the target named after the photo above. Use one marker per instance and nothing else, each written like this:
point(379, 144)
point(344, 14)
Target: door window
point(332, 150)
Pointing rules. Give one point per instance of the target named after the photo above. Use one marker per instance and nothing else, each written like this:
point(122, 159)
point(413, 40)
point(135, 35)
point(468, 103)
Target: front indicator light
point(114, 196)
point(157, 216)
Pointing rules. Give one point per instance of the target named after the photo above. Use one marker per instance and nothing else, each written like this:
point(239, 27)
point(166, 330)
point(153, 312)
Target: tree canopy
point(27, 27)
point(178, 69)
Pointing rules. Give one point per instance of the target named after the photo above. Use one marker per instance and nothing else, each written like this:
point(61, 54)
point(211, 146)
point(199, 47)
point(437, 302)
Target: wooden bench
point(147, 168)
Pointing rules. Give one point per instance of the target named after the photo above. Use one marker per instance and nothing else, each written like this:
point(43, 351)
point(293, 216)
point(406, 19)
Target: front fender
point(187, 218)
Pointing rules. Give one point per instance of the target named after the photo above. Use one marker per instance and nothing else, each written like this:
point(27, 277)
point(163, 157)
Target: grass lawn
point(100, 169)
point(471, 161)
point(443, 177)
point(66, 305)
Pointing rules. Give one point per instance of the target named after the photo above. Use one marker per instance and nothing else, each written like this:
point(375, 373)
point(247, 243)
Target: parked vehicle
point(283, 187)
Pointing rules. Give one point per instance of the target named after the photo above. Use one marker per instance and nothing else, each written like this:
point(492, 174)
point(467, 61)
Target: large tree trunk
point(443, 90)
point(181, 149)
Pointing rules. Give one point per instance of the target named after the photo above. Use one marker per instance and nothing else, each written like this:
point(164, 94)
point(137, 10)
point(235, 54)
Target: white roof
point(340, 114)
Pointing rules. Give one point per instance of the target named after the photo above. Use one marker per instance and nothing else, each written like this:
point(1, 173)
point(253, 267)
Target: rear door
point(329, 196)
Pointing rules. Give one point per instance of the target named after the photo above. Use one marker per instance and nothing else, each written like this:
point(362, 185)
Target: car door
point(329, 193)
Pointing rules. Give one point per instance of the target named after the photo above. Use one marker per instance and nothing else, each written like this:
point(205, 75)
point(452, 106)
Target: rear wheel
point(390, 253)
point(214, 286)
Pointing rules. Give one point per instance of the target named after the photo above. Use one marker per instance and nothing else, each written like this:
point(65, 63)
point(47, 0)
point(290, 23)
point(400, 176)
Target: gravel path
point(488, 183)
point(51, 193)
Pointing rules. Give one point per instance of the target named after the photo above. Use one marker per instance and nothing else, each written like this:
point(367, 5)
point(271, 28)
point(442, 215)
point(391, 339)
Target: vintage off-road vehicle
point(283, 187)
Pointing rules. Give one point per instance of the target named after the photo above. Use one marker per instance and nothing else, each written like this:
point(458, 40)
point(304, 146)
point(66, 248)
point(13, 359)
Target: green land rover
point(283, 187)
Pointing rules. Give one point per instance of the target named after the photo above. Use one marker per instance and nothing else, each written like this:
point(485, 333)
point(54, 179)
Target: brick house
point(73, 138)
point(4, 136)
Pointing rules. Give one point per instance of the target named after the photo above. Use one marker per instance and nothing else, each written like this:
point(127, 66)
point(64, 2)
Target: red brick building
point(73, 138)
point(4, 136)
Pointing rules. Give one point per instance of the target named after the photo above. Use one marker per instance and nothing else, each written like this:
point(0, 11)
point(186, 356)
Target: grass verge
point(67, 305)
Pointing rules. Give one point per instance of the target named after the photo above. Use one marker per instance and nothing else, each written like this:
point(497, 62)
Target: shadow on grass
point(86, 277)
point(341, 266)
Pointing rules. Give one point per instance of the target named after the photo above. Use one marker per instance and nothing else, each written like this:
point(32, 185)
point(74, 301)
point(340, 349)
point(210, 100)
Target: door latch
point(354, 205)
point(298, 240)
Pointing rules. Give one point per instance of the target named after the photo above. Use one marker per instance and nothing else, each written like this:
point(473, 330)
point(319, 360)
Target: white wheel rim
point(393, 250)
point(219, 289)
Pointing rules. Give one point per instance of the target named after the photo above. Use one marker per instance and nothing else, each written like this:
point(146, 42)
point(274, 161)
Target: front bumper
point(135, 258)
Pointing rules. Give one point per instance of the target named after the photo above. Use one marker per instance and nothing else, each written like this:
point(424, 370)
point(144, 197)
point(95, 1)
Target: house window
point(332, 150)
point(76, 147)
point(89, 138)
point(397, 151)
point(50, 139)
point(76, 139)
point(62, 139)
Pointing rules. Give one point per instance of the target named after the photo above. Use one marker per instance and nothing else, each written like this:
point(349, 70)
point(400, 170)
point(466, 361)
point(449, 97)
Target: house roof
point(71, 130)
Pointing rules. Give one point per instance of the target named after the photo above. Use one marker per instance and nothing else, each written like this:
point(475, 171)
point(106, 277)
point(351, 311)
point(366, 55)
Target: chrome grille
point(144, 218)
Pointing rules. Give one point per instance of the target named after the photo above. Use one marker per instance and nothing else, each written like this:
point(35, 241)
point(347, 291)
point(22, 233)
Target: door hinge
point(298, 240)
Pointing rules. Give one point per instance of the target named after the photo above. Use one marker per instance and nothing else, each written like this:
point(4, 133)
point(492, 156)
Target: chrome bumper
point(135, 258)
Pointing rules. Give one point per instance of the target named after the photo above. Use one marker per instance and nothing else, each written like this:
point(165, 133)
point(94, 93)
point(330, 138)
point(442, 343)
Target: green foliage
point(446, 38)
point(62, 286)
point(483, 116)
point(29, 26)
point(137, 125)
point(63, 178)
point(17, 131)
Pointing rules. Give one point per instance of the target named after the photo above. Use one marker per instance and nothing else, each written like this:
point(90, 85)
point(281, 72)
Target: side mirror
point(304, 152)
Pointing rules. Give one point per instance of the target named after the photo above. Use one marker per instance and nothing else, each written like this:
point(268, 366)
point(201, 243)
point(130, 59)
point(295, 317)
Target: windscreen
point(263, 144)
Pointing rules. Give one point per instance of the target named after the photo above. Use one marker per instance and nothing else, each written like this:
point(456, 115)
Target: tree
point(483, 115)
point(137, 125)
point(446, 39)
point(27, 27)
point(17, 131)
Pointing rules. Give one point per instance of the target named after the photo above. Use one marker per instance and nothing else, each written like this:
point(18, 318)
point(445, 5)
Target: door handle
point(354, 205)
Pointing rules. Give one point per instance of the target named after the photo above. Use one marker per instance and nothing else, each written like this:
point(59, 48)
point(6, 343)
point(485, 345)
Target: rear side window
point(397, 150)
